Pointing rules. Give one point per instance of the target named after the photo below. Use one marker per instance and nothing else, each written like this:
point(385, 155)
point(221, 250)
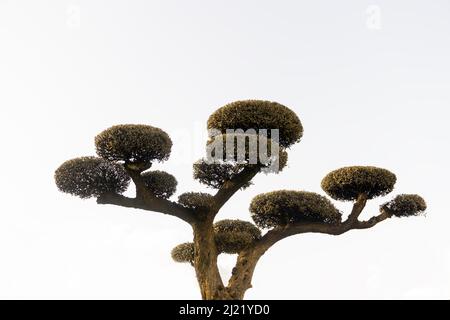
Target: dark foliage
point(284, 207)
point(349, 182)
point(183, 253)
point(405, 205)
point(232, 236)
point(195, 200)
point(91, 177)
point(137, 144)
point(160, 183)
point(214, 175)
point(258, 114)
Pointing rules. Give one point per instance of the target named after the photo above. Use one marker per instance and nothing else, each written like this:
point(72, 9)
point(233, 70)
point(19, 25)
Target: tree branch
point(372, 221)
point(230, 187)
point(242, 274)
point(358, 207)
point(149, 204)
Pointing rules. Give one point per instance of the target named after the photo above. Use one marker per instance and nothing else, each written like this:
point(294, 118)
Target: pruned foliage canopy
point(196, 200)
point(214, 175)
point(405, 205)
point(349, 182)
point(183, 253)
point(258, 114)
point(160, 183)
point(133, 143)
point(87, 177)
point(284, 207)
point(232, 236)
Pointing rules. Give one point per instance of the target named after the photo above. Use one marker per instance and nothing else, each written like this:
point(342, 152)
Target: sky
point(370, 81)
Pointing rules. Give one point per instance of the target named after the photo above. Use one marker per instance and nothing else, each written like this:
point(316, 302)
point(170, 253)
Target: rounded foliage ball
point(87, 177)
point(160, 183)
point(233, 236)
point(279, 208)
point(214, 175)
point(133, 143)
point(405, 205)
point(349, 182)
point(183, 253)
point(195, 200)
point(258, 114)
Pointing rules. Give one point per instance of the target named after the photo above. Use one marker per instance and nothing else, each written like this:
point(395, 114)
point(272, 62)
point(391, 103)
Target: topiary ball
point(183, 253)
point(214, 175)
point(279, 208)
point(160, 183)
point(87, 177)
point(405, 205)
point(196, 200)
point(258, 114)
point(133, 143)
point(349, 182)
point(233, 236)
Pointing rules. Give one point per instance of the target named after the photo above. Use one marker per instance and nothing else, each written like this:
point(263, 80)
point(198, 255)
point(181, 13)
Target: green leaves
point(284, 207)
point(137, 144)
point(87, 177)
point(349, 182)
point(405, 205)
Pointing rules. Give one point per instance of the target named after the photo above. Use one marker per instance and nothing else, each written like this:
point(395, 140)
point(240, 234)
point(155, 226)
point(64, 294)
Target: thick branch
point(230, 187)
point(150, 204)
point(358, 207)
point(146, 200)
point(242, 274)
point(372, 221)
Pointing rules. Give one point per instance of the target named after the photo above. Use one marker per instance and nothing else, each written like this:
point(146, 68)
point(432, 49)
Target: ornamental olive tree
point(126, 153)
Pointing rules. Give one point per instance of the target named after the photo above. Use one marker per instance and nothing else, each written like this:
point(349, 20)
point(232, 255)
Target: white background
point(369, 91)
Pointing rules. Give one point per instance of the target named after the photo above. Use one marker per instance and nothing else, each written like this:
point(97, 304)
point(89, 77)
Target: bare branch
point(149, 204)
point(358, 207)
point(372, 221)
point(146, 200)
point(229, 188)
point(242, 274)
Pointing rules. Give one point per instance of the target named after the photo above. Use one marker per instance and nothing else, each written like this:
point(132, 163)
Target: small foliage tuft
point(214, 175)
point(160, 183)
point(183, 253)
point(233, 236)
point(405, 205)
point(195, 200)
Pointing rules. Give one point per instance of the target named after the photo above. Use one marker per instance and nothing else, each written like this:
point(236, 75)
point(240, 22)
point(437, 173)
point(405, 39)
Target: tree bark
point(242, 274)
point(205, 261)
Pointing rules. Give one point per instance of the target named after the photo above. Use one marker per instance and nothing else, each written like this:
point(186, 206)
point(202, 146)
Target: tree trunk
point(242, 274)
point(205, 262)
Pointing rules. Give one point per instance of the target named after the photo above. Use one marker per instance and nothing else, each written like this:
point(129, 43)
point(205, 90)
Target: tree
point(126, 153)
